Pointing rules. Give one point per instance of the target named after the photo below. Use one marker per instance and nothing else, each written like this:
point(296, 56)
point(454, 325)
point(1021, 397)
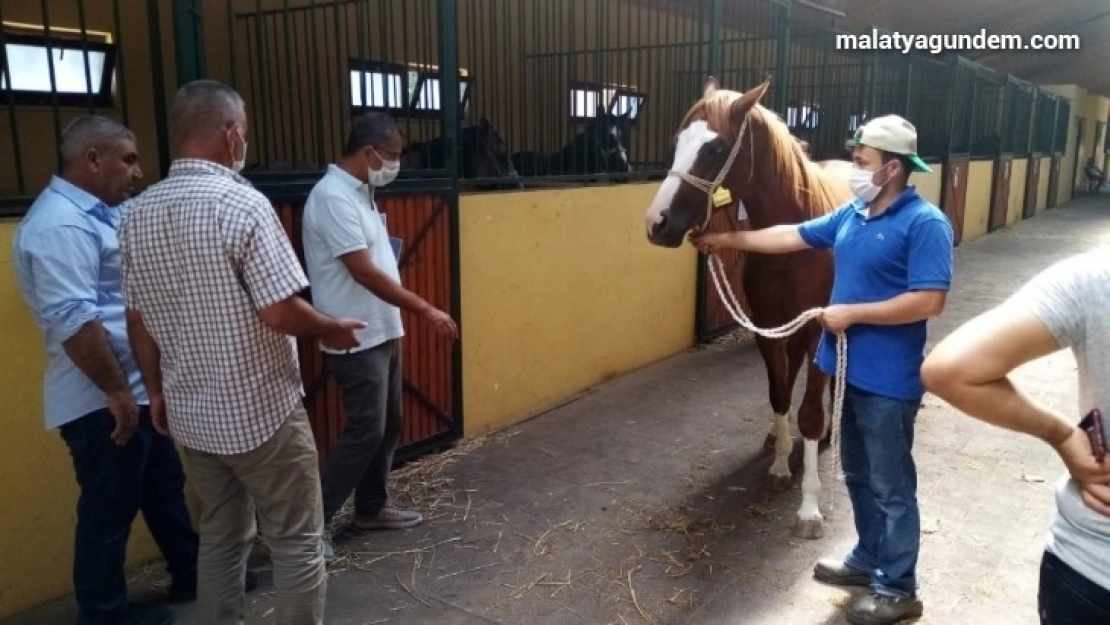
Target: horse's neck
point(769, 198)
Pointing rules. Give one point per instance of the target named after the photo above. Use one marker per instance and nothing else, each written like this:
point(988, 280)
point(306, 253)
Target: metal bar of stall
point(290, 122)
point(17, 148)
point(82, 26)
point(321, 138)
point(449, 83)
point(121, 71)
point(53, 84)
point(158, 84)
point(263, 100)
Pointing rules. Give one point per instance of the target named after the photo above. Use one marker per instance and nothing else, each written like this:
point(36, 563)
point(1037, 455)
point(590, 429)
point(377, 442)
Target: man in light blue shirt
point(68, 264)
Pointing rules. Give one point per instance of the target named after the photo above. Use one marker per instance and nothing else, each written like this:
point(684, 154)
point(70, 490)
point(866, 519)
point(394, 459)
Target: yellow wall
point(37, 486)
point(978, 203)
point(1042, 183)
point(1018, 171)
point(929, 184)
point(561, 291)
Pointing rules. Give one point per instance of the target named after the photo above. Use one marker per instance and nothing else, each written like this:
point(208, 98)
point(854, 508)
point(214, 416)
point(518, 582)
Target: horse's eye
point(712, 150)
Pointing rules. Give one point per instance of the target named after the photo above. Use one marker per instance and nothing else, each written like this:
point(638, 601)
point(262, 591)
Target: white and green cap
point(891, 133)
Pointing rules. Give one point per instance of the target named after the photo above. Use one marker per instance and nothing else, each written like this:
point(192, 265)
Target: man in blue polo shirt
point(893, 254)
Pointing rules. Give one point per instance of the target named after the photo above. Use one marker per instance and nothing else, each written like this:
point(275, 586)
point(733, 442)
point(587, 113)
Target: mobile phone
point(1096, 434)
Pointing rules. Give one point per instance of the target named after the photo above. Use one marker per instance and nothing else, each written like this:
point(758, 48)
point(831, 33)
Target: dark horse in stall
point(778, 184)
point(602, 147)
point(483, 154)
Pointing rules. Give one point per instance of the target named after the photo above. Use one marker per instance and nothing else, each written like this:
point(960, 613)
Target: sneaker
point(876, 609)
point(837, 573)
point(327, 547)
point(388, 518)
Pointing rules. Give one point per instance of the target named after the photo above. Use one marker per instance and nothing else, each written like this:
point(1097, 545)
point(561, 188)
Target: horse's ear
point(749, 99)
point(711, 87)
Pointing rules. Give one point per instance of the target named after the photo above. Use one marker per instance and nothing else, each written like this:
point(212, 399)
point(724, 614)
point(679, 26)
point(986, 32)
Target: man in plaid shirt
point(210, 284)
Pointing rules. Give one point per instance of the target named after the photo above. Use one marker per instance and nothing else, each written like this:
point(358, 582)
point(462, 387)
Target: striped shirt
point(202, 252)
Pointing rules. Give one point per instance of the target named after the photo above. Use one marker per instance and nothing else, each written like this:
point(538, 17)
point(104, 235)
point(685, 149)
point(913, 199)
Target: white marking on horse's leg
point(811, 485)
point(689, 143)
point(783, 445)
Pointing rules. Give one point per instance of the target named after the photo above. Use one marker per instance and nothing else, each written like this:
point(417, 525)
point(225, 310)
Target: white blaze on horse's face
point(687, 147)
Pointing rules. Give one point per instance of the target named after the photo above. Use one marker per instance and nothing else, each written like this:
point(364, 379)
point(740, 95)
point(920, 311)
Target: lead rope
point(717, 270)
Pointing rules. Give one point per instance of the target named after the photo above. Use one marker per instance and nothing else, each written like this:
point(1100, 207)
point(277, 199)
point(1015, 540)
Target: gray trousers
point(371, 384)
point(279, 479)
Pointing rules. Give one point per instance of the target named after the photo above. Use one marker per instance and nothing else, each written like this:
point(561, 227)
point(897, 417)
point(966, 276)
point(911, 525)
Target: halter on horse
point(730, 148)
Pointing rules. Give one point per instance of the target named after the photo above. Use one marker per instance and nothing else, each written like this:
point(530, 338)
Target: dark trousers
point(1067, 598)
point(116, 484)
point(876, 453)
point(371, 384)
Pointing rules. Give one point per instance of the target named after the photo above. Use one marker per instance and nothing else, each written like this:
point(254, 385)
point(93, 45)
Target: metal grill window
point(378, 86)
point(36, 67)
point(586, 100)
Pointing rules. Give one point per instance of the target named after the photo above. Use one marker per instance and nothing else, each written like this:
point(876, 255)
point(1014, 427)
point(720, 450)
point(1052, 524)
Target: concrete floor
point(646, 499)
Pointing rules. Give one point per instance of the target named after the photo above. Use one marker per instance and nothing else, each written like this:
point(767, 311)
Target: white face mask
point(861, 182)
point(385, 175)
point(237, 164)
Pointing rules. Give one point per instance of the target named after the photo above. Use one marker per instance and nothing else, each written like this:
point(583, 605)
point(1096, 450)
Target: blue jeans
point(876, 436)
point(116, 484)
point(1066, 597)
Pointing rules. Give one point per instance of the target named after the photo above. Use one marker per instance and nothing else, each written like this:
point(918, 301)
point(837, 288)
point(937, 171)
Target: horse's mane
point(812, 191)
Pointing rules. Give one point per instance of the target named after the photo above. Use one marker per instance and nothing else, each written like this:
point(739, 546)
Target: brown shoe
point(837, 573)
point(876, 609)
point(388, 518)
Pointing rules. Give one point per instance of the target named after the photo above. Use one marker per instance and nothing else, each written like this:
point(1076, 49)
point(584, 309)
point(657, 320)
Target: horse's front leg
point(780, 381)
point(810, 523)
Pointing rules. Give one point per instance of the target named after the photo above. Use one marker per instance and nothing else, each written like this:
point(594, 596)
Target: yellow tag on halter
point(721, 197)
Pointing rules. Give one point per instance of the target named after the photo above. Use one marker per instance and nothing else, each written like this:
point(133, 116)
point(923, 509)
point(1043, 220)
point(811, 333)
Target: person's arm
point(272, 277)
point(969, 369)
point(149, 359)
point(774, 240)
point(366, 274)
point(65, 268)
point(928, 277)
point(819, 233)
point(901, 309)
point(337, 229)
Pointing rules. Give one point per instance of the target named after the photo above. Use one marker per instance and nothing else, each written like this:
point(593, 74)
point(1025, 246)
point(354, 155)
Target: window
point(410, 90)
point(806, 115)
point(425, 91)
point(378, 86)
point(83, 67)
point(587, 98)
point(856, 120)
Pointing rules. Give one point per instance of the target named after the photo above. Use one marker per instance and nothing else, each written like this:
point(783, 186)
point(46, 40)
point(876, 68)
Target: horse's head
point(708, 150)
point(609, 135)
point(490, 153)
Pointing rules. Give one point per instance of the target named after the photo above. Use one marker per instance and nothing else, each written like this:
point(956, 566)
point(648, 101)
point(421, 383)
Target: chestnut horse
point(778, 184)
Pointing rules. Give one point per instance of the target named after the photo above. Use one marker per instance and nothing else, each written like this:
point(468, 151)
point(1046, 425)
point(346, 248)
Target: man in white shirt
point(353, 271)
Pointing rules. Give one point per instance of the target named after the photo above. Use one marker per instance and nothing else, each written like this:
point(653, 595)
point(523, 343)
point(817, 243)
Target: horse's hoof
point(809, 529)
point(769, 442)
point(781, 483)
